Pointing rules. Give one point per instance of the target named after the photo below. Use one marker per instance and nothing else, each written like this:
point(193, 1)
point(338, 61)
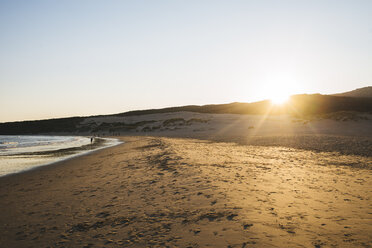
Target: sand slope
point(348, 133)
point(158, 192)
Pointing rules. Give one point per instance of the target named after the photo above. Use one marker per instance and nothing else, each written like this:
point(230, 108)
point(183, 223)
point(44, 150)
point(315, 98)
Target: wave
point(10, 145)
point(20, 153)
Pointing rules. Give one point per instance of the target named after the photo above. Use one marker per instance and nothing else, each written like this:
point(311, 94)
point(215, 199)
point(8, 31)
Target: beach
point(186, 124)
point(21, 156)
point(183, 192)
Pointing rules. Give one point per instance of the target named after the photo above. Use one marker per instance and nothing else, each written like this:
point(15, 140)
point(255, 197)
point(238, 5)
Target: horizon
point(79, 58)
point(274, 103)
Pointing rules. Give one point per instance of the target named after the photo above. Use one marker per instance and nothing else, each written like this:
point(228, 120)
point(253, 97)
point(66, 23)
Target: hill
point(361, 92)
point(299, 105)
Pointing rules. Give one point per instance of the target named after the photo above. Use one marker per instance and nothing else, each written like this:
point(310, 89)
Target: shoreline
point(259, 141)
point(47, 158)
point(156, 191)
point(57, 163)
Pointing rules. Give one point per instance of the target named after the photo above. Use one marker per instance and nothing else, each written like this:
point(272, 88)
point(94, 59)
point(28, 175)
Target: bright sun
point(279, 87)
point(279, 98)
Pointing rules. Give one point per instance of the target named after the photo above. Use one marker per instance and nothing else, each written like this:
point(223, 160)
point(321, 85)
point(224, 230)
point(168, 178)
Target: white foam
point(13, 161)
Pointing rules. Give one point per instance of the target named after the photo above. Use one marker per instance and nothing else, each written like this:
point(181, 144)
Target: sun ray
point(279, 99)
point(291, 107)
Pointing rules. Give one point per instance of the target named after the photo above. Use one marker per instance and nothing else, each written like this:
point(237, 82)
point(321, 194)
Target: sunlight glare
point(280, 86)
point(279, 99)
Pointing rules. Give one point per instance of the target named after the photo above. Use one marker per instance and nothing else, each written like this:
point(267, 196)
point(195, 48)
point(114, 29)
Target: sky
point(86, 57)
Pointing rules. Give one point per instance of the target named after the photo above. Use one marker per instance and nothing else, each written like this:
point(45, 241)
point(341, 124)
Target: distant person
point(91, 140)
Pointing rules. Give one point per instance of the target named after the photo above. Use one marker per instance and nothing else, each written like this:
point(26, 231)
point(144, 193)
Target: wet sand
point(23, 161)
point(177, 192)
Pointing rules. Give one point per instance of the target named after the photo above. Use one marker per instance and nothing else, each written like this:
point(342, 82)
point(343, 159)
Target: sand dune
point(173, 192)
point(348, 133)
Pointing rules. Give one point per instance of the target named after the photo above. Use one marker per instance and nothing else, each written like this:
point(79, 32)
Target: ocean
point(23, 152)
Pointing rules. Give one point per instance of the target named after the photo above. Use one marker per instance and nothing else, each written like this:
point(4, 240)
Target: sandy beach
point(179, 192)
point(186, 124)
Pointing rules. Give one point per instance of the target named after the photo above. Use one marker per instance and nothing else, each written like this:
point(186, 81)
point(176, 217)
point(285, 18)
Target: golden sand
point(174, 192)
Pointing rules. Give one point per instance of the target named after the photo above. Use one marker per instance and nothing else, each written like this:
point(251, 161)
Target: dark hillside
point(63, 125)
point(361, 92)
point(321, 104)
point(230, 108)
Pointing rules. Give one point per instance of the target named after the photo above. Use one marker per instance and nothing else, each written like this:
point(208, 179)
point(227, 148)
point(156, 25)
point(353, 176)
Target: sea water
point(20, 153)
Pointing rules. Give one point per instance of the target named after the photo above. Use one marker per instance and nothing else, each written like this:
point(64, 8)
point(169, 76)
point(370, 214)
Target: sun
point(279, 87)
point(279, 98)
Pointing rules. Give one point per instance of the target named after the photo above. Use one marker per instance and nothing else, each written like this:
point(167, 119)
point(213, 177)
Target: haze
point(67, 58)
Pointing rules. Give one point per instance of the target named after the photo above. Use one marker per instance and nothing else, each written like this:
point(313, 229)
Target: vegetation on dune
point(181, 122)
point(336, 116)
point(120, 126)
point(174, 121)
point(196, 120)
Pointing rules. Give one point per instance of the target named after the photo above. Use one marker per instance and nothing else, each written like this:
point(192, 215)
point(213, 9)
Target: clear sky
point(85, 57)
